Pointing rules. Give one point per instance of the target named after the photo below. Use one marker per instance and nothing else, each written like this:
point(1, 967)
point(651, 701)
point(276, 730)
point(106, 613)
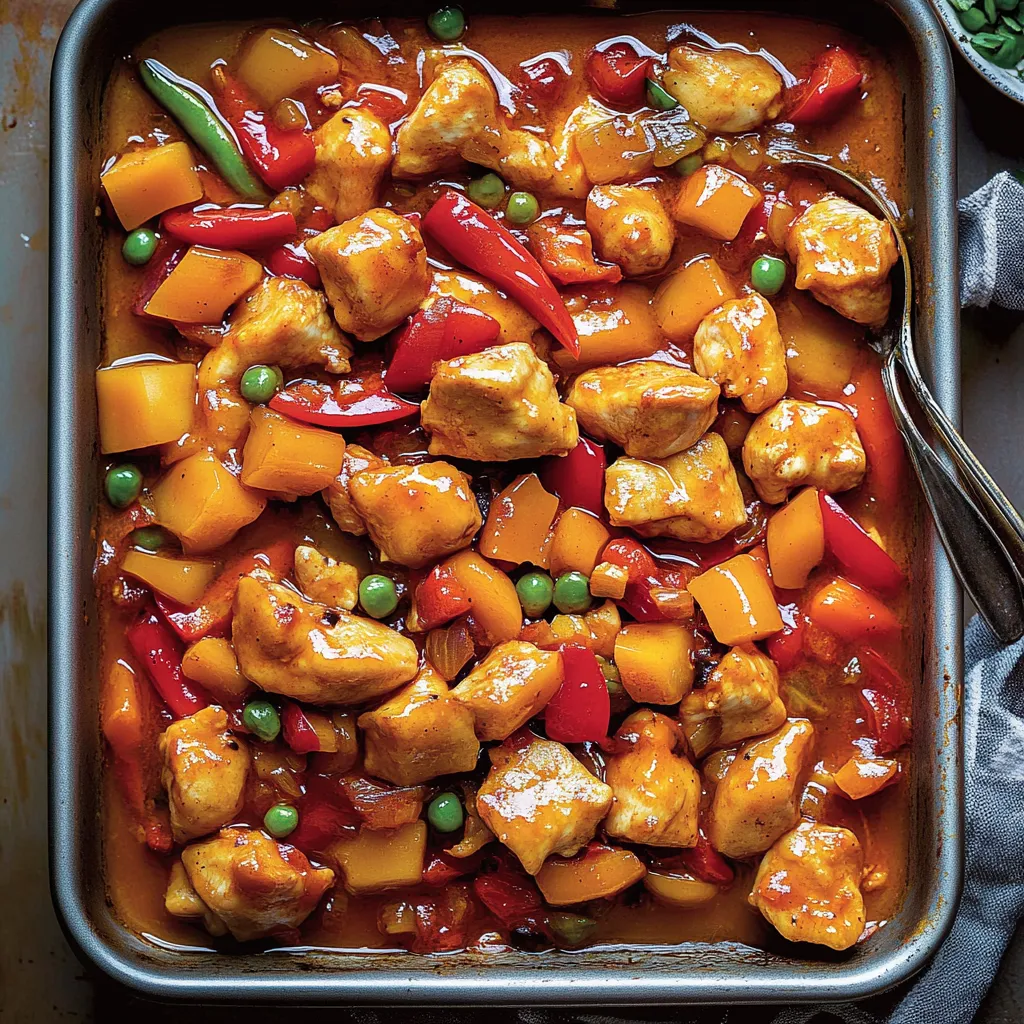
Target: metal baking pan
point(98, 33)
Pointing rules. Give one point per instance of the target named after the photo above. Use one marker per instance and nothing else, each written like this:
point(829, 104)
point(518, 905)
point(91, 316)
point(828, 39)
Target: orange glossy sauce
point(868, 140)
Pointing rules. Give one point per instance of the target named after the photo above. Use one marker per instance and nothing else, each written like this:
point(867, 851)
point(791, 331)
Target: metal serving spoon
point(985, 544)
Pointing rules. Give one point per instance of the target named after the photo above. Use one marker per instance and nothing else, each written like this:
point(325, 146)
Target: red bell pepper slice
point(632, 556)
point(439, 598)
point(883, 701)
point(786, 647)
point(836, 78)
point(332, 405)
point(281, 157)
point(864, 562)
point(442, 868)
point(212, 616)
point(159, 652)
point(387, 104)
point(703, 861)
point(168, 255)
point(479, 242)
point(577, 478)
point(618, 74)
point(297, 729)
point(292, 260)
point(513, 899)
point(879, 435)
point(231, 228)
point(542, 80)
point(445, 329)
point(581, 708)
point(643, 574)
point(851, 613)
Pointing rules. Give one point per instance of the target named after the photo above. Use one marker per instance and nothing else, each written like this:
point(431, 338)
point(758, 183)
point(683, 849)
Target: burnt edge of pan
point(97, 33)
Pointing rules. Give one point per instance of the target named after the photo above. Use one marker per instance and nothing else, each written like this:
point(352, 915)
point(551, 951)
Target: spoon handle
point(1001, 514)
point(978, 557)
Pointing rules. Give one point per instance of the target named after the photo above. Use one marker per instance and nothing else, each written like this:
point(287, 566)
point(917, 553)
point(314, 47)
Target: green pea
point(535, 590)
point(659, 97)
point(572, 593)
point(445, 812)
point(972, 19)
point(487, 191)
point(281, 820)
point(123, 485)
point(378, 596)
point(686, 165)
point(768, 274)
point(447, 23)
point(260, 383)
point(571, 929)
point(522, 208)
point(149, 538)
point(611, 674)
point(139, 246)
point(262, 720)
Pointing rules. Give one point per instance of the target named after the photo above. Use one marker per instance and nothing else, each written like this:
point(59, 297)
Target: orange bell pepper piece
point(144, 404)
point(864, 776)
point(578, 541)
point(145, 182)
point(597, 873)
point(716, 201)
point(851, 613)
point(204, 285)
point(736, 597)
point(796, 540)
point(518, 527)
point(653, 659)
point(180, 579)
point(283, 455)
point(684, 298)
point(493, 602)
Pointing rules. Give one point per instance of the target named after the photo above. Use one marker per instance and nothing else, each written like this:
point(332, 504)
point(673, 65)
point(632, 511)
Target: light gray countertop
point(40, 979)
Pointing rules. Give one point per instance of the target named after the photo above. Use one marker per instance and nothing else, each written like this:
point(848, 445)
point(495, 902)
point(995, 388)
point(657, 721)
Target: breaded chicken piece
point(255, 885)
point(511, 685)
point(650, 409)
point(843, 256)
point(570, 178)
point(419, 733)
point(374, 270)
point(353, 150)
point(656, 789)
point(204, 771)
point(630, 227)
point(416, 514)
point(797, 443)
point(539, 800)
point(738, 345)
point(324, 580)
point(724, 90)
point(740, 700)
point(355, 459)
point(457, 119)
point(694, 495)
point(808, 886)
point(307, 651)
point(497, 405)
point(759, 797)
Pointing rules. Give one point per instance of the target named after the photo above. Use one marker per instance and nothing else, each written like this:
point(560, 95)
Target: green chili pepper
point(208, 132)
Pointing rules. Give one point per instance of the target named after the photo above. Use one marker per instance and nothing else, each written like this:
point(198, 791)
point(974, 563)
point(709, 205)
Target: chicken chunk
point(797, 443)
point(843, 256)
point(182, 900)
point(324, 580)
point(497, 405)
point(740, 700)
point(339, 501)
point(374, 269)
point(353, 150)
point(457, 120)
point(808, 886)
point(656, 790)
point(419, 733)
point(694, 495)
point(514, 323)
point(739, 346)
point(724, 90)
point(255, 885)
point(650, 409)
point(570, 179)
point(567, 253)
point(416, 514)
point(759, 797)
point(630, 227)
point(511, 685)
point(204, 771)
point(539, 800)
point(281, 322)
point(301, 649)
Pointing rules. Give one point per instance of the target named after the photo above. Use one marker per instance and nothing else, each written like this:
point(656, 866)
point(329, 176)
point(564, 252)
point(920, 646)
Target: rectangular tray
point(97, 34)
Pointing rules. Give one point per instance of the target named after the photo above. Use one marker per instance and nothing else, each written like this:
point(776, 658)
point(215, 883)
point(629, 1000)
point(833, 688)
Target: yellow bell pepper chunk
point(518, 527)
point(684, 298)
point(144, 404)
point(653, 659)
point(579, 539)
point(283, 455)
point(796, 540)
point(716, 201)
point(204, 285)
point(600, 872)
point(182, 580)
point(374, 861)
point(737, 600)
point(146, 182)
point(203, 504)
point(211, 662)
point(280, 63)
